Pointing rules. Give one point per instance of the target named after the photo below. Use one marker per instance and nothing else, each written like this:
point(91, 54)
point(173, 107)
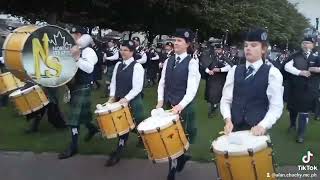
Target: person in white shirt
point(126, 87)
point(303, 84)
point(140, 56)
point(110, 58)
point(177, 88)
point(80, 90)
point(252, 97)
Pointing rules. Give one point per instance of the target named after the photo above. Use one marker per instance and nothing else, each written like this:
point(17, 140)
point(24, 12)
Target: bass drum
point(40, 54)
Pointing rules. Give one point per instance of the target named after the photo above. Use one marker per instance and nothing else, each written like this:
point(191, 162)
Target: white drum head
point(238, 143)
point(109, 107)
point(162, 121)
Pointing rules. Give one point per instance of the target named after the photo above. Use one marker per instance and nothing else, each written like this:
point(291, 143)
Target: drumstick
point(221, 132)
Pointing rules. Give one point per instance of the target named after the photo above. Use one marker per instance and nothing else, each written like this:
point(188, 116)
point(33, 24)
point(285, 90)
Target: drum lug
point(226, 154)
point(109, 111)
point(158, 129)
point(269, 144)
point(174, 121)
point(250, 151)
point(184, 150)
point(142, 132)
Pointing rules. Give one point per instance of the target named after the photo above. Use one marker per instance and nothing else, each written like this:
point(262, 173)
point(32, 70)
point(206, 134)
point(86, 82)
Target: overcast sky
point(309, 8)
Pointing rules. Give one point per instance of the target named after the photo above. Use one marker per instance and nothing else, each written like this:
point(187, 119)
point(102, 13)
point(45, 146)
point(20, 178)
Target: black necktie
point(249, 73)
point(177, 62)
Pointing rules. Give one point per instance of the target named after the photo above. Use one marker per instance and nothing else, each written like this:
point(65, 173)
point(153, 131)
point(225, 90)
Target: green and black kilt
point(189, 123)
point(80, 106)
point(137, 110)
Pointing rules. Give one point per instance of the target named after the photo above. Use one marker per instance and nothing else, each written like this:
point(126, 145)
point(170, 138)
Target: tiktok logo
point(307, 158)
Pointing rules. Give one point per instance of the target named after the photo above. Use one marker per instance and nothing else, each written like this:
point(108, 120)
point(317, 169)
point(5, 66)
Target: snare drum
point(8, 83)
point(114, 120)
point(29, 100)
point(163, 137)
point(241, 155)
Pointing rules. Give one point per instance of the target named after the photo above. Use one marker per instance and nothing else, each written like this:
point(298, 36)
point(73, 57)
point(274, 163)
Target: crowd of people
point(248, 83)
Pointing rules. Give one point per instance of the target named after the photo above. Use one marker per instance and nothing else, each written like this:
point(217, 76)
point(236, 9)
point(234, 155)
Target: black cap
point(258, 34)
point(186, 34)
point(78, 29)
point(169, 44)
point(136, 39)
point(129, 44)
point(311, 39)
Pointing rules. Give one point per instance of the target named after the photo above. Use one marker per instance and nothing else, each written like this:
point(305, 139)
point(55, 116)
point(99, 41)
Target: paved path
point(45, 166)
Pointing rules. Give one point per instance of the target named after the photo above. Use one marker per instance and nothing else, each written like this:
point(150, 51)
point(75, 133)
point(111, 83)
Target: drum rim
point(165, 126)
point(175, 156)
point(240, 153)
point(25, 91)
point(5, 73)
point(107, 111)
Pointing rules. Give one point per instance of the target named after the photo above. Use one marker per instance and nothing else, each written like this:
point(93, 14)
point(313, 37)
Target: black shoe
point(172, 174)
point(291, 129)
point(67, 153)
point(300, 140)
point(90, 135)
point(182, 161)
point(113, 160)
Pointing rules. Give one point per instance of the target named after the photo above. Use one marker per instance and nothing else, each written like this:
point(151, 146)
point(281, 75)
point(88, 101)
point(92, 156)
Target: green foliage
point(211, 17)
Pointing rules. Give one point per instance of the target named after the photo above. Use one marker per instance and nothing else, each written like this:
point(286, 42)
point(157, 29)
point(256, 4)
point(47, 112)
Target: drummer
point(178, 86)
point(252, 97)
point(126, 86)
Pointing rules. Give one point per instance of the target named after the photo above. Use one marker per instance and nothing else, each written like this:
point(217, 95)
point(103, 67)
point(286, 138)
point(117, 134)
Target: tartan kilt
point(189, 122)
point(137, 109)
point(80, 106)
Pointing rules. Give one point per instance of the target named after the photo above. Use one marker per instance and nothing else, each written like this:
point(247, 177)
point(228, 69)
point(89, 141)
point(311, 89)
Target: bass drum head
point(46, 56)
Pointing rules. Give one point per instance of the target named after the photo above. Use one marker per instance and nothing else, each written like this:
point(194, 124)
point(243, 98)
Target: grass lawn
point(12, 137)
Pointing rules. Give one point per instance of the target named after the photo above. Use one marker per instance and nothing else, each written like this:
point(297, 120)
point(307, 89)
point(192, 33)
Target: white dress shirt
point(293, 70)
point(87, 61)
point(115, 55)
point(192, 84)
point(156, 57)
point(223, 69)
point(143, 58)
point(274, 93)
point(137, 79)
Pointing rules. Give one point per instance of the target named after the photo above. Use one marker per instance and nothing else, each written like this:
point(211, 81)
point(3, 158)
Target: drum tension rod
point(274, 164)
point(164, 144)
point(251, 154)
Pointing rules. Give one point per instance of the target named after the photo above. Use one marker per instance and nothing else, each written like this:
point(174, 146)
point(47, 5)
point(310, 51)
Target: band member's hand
point(159, 105)
point(228, 126)
point(111, 100)
point(177, 109)
point(123, 101)
point(216, 70)
point(75, 52)
point(305, 73)
point(211, 73)
point(314, 69)
point(258, 131)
